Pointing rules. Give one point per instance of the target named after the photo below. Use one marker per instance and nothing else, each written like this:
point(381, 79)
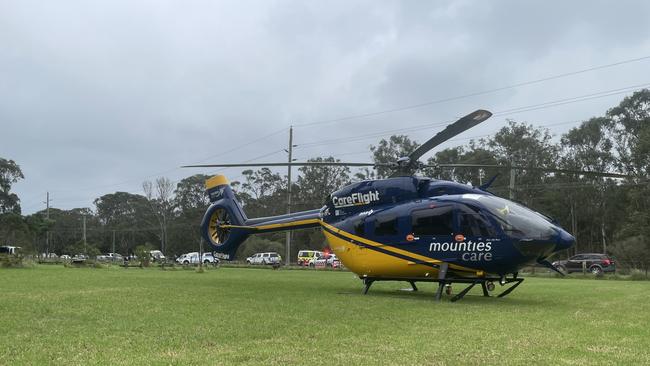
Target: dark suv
point(593, 262)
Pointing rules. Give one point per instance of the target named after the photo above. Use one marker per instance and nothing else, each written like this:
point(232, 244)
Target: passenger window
point(386, 225)
point(434, 221)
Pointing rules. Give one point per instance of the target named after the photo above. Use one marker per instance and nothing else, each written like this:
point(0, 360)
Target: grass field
point(57, 315)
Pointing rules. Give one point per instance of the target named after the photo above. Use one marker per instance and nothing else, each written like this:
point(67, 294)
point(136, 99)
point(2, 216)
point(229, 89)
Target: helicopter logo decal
point(472, 251)
point(355, 199)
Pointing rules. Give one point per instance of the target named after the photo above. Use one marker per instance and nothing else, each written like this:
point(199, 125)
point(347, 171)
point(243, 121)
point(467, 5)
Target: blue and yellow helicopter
point(408, 228)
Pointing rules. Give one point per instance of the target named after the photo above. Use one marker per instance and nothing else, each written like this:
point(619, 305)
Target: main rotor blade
point(519, 167)
point(450, 131)
point(308, 163)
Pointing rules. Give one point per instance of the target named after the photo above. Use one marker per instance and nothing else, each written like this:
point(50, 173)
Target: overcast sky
point(98, 96)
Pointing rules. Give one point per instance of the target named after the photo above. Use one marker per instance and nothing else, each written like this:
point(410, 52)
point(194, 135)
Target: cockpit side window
point(433, 221)
point(475, 224)
point(386, 225)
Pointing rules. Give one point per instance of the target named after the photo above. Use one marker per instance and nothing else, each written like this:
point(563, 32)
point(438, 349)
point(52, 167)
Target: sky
point(99, 96)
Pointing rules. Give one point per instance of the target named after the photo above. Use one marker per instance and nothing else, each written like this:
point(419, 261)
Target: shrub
point(11, 261)
point(638, 275)
point(143, 254)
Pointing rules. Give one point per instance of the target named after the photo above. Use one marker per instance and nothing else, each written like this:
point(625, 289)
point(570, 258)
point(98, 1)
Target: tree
point(190, 193)
point(472, 154)
point(191, 201)
point(9, 173)
point(591, 201)
point(160, 201)
point(629, 127)
point(388, 151)
point(523, 144)
point(129, 216)
point(13, 229)
point(263, 193)
point(315, 183)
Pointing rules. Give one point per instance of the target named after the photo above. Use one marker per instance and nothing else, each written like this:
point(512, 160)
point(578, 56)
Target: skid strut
point(442, 274)
point(367, 282)
point(487, 283)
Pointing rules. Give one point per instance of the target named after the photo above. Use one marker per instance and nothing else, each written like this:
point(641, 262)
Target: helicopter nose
point(564, 241)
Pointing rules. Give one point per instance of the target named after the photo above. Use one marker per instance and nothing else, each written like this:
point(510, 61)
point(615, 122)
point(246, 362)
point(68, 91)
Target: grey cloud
point(98, 93)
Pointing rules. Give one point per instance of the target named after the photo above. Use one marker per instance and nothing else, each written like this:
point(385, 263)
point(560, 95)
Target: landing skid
point(444, 282)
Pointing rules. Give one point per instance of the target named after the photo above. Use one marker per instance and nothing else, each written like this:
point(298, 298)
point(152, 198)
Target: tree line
point(604, 214)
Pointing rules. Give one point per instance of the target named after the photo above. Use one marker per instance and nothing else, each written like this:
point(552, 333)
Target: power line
point(172, 181)
point(545, 105)
point(383, 112)
point(570, 100)
point(173, 169)
point(449, 99)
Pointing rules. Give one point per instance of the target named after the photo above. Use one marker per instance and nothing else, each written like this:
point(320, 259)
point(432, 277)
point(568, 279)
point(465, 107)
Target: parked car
point(193, 258)
point(78, 258)
point(309, 257)
point(209, 258)
point(264, 258)
point(6, 249)
point(65, 257)
point(593, 262)
point(333, 261)
point(110, 257)
point(327, 260)
point(157, 256)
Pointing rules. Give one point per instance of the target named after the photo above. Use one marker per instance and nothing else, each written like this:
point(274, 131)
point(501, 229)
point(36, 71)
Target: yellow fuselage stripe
point(274, 226)
point(366, 261)
point(393, 249)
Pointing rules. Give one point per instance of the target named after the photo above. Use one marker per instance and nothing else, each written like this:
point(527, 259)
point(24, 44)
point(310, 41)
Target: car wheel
point(312, 265)
point(249, 263)
point(206, 262)
point(186, 262)
point(596, 270)
point(562, 269)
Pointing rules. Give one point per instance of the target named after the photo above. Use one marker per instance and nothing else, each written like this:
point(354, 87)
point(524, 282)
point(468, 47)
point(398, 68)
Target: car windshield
point(516, 219)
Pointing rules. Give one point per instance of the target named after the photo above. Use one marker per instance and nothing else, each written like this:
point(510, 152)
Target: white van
point(309, 257)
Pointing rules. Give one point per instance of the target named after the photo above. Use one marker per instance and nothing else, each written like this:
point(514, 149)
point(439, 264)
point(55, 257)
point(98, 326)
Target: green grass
point(57, 315)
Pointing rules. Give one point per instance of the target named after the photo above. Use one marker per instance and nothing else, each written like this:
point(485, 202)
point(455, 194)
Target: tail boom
point(225, 225)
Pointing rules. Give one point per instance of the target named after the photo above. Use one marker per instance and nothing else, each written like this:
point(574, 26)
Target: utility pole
point(290, 151)
point(511, 195)
point(47, 233)
point(84, 235)
point(113, 241)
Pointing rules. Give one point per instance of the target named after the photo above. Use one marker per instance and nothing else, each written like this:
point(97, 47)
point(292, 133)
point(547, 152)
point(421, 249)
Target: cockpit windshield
point(515, 219)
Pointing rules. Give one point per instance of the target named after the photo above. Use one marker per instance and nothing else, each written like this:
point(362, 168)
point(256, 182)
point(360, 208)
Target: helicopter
point(409, 228)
